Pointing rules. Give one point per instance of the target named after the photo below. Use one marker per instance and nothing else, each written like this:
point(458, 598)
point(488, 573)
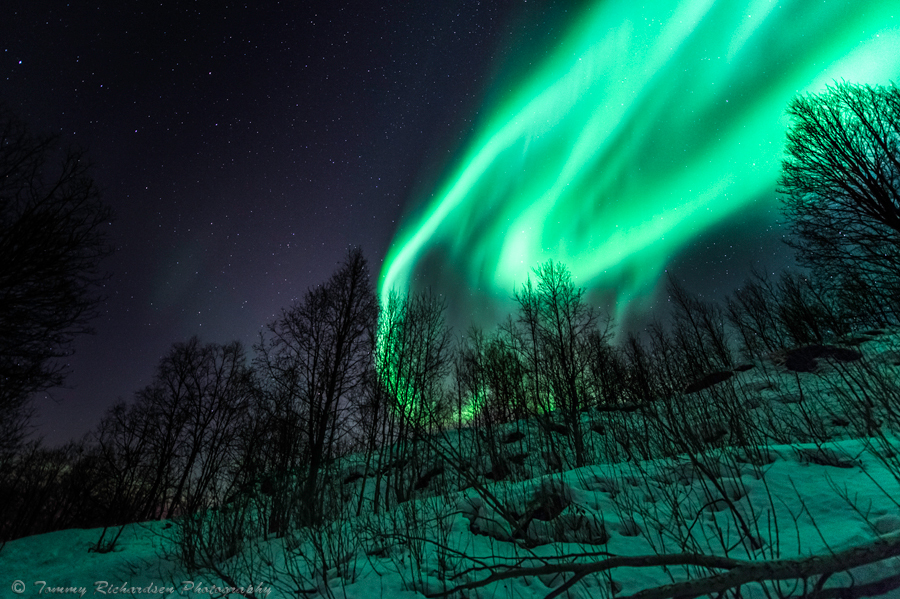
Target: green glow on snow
point(648, 124)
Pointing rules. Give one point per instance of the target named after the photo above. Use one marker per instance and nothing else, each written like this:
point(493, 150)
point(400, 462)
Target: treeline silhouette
point(336, 374)
point(236, 446)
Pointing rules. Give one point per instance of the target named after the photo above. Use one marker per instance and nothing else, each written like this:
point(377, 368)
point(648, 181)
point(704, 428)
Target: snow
point(802, 493)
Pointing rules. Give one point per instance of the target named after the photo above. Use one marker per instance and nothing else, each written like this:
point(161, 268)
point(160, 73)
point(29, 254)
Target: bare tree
point(491, 370)
point(121, 441)
point(170, 451)
point(214, 379)
point(558, 323)
point(45, 489)
point(411, 362)
point(52, 240)
point(752, 312)
point(772, 315)
point(698, 330)
point(314, 359)
point(841, 183)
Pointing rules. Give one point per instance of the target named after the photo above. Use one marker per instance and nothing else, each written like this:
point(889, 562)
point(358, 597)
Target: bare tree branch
point(739, 572)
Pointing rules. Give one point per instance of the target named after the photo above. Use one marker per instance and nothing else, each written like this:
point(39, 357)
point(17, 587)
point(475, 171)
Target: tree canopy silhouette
point(52, 240)
point(841, 182)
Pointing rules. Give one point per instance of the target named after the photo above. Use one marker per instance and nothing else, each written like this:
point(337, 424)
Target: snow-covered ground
point(823, 482)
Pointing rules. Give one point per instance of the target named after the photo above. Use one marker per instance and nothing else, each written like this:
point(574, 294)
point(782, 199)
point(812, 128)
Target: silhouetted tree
point(52, 239)
point(313, 361)
point(45, 489)
point(412, 361)
point(481, 375)
point(698, 332)
point(121, 442)
point(172, 450)
point(490, 368)
point(752, 312)
point(558, 323)
point(841, 183)
point(608, 372)
point(771, 315)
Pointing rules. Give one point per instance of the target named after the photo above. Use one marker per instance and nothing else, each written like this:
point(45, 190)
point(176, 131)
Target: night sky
point(245, 148)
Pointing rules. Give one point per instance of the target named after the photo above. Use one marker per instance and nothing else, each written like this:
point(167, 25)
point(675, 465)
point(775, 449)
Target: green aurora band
point(648, 124)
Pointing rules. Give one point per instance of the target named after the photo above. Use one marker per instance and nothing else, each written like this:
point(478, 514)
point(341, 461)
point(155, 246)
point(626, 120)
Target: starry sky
point(244, 147)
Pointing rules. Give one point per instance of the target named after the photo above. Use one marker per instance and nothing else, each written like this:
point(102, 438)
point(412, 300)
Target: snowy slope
point(820, 478)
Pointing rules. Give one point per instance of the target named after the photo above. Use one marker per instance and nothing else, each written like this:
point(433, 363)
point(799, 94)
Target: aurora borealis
point(245, 147)
point(647, 125)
